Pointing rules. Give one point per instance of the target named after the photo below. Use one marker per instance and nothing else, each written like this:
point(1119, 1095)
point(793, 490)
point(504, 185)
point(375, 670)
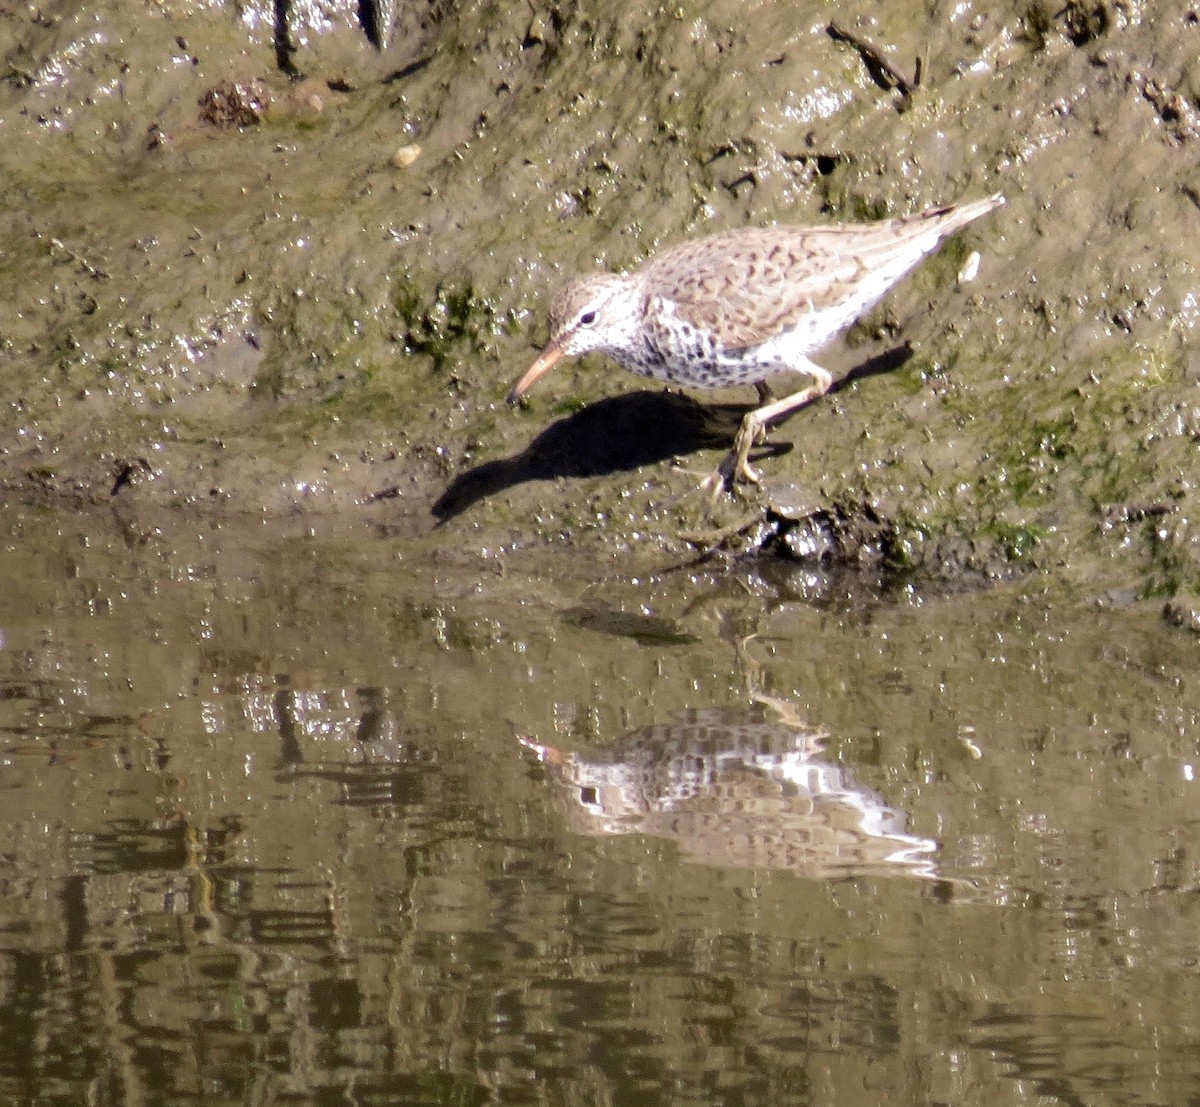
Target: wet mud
point(276, 260)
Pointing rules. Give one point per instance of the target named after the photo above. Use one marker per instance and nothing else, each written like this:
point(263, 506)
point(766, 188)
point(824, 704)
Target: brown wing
point(751, 284)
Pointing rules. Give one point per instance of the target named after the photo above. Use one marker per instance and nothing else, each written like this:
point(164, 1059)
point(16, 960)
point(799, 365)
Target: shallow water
point(326, 820)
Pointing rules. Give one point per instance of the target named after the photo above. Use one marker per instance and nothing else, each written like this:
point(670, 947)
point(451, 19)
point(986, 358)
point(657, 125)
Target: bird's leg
point(737, 464)
point(754, 425)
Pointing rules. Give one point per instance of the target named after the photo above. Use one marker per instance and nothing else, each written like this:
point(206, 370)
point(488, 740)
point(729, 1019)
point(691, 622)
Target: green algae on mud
point(280, 307)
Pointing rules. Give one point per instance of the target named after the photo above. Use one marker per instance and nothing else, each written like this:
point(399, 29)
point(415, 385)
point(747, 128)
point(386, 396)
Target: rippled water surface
point(288, 819)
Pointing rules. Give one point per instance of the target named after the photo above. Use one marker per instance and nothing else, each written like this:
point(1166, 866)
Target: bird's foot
point(737, 465)
point(754, 430)
point(734, 468)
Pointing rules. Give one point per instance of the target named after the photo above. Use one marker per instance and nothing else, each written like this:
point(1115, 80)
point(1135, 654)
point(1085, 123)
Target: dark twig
point(284, 49)
point(883, 73)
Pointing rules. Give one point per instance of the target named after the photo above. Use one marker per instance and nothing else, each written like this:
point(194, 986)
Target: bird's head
point(595, 313)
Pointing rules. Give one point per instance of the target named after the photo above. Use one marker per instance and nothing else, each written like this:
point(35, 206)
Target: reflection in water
point(739, 794)
point(266, 837)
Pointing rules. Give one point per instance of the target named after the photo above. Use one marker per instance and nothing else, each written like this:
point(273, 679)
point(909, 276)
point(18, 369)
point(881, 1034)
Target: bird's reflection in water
point(742, 795)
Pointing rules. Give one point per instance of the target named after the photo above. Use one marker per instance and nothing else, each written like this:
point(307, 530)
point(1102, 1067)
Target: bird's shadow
point(619, 434)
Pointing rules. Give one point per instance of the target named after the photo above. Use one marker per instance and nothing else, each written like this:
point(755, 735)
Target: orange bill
point(549, 357)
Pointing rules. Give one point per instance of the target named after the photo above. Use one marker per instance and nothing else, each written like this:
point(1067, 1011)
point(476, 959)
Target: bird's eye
point(587, 318)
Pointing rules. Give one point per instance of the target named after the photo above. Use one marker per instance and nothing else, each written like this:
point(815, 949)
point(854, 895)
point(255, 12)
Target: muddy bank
point(268, 269)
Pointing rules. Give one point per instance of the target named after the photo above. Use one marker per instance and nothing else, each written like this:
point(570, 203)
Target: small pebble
point(406, 156)
point(970, 268)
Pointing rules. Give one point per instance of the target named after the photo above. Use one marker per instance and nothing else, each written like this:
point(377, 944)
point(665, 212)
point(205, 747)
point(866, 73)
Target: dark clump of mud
point(318, 306)
point(840, 534)
point(849, 543)
point(235, 103)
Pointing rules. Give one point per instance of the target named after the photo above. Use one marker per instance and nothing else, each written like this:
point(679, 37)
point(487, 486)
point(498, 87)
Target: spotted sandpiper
point(741, 306)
